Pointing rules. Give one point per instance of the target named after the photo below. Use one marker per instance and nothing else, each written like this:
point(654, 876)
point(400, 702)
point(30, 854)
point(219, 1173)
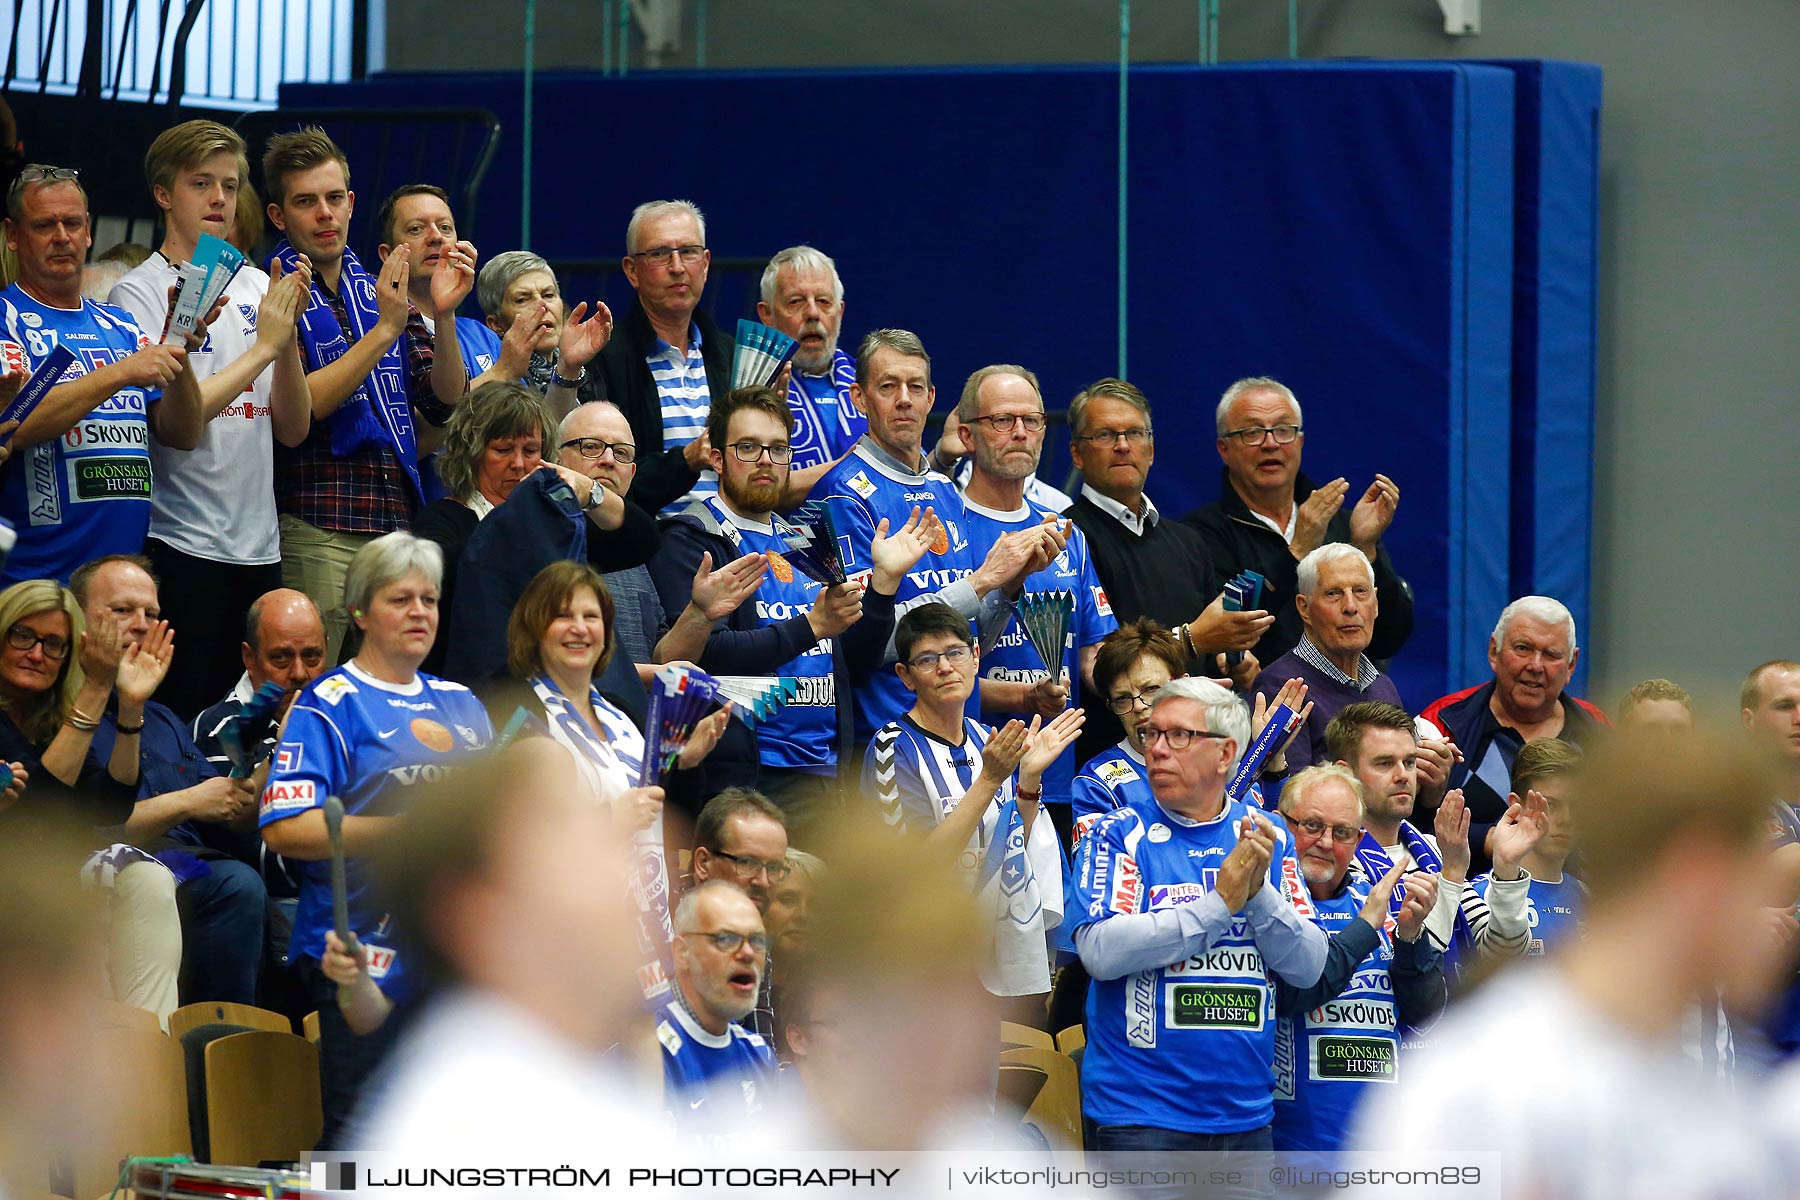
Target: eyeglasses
point(1106, 437)
point(1143, 699)
point(21, 638)
point(747, 868)
point(1178, 739)
point(1256, 435)
point(955, 656)
point(38, 173)
point(727, 942)
point(1343, 835)
point(751, 451)
point(623, 453)
point(662, 254)
point(1004, 422)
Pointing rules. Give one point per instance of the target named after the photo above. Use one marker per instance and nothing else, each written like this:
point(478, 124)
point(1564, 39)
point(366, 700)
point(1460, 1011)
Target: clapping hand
point(894, 554)
point(1242, 873)
point(1518, 831)
point(1373, 514)
point(453, 279)
point(1452, 829)
point(1314, 515)
point(1421, 898)
point(142, 667)
point(718, 593)
point(584, 335)
point(706, 735)
point(1045, 742)
point(1001, 756)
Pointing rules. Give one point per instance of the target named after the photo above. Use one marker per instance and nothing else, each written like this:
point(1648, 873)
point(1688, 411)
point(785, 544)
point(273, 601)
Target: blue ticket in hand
point(48, 372)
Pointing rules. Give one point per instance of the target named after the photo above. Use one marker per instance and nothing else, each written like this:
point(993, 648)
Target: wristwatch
point(595, 498)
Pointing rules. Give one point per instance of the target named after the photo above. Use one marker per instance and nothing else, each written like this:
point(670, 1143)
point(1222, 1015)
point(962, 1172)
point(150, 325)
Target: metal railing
point(221, 54)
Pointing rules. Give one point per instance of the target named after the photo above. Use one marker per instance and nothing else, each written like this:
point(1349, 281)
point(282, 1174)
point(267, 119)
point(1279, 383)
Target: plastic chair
point(151, 1084)
point(1056, 1109)
point(223, 1012)
point(262, 1097)
point(309, 1027)
point(1013, 1034)
point(1071, 1039)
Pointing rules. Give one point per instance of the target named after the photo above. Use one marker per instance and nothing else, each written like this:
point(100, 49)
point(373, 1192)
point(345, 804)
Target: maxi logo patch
point(105, 477)
point(1364, 1060)
point(1215, 1006)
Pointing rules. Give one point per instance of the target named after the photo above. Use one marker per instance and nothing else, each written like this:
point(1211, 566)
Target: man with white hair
point(1185, 905)
point(1532, 652)
point(1337, 602)
point(668, 359)
point(1269, 515)
point(803, 297)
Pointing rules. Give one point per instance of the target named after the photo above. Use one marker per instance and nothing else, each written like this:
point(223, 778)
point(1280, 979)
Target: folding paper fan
point(756, 698)
point(241, 736)
point(1047, 617)
point(679, 698)
point(761, 353)
point(814, 543)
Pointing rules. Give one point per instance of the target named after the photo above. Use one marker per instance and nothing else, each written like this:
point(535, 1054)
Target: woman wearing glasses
point(54, 684)
point(1133, 664)
point(496, 438)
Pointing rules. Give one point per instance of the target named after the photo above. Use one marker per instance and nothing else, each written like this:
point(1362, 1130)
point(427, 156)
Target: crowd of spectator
point(347, 541)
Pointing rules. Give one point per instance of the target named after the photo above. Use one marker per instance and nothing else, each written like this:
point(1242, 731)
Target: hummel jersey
point(1552, 910)
point(87, 493)
point(367, 742)
point(1013, 657)
point(919, 779)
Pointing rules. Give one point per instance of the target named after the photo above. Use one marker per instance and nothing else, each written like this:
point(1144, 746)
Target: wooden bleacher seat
point(309, 1027)
point(262, 1097)
point(151, 1088)
point(1056, 1109)
point(1071, 1039)
point(114, 1015)
point(1013, 1034)
point(221, 1012)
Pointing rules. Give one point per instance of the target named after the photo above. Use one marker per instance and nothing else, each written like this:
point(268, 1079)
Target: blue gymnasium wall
point(1347, 227)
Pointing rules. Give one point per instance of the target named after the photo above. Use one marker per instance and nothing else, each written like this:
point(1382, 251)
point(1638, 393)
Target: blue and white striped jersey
point(686, 399)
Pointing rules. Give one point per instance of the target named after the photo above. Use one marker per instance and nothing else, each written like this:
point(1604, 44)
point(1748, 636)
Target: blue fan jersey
point(826, 423)
point(1189, 1046)
point(1552, 910)
point(865, 487)
point(1111, 779)
point(1013, 657)
point(86, 493)
point(1324, 1058)
point(480, 345)
point(368, 743)
point(701, 1068)
point(803, 734)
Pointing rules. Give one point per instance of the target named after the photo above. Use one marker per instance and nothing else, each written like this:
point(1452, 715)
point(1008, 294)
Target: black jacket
point(1236, 541)
point(740, 644)
point(662, 475)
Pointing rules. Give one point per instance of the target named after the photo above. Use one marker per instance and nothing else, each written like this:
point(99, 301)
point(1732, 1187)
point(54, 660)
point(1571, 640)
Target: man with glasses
point(1185, 906)
point(715, 1070)
point(886, 477)
point(83, 487)
point(1269, 515)
point(1002, 416)
point(1149, 567)
point(792, 626)
point(741, 838)
point(668, 359)
point(1344, 1031)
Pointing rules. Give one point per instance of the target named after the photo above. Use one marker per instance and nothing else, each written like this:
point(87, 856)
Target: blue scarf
point(1373, 857)
point(378, 412)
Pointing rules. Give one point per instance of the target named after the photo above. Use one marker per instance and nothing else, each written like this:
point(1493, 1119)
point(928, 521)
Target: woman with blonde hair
point(55, 679)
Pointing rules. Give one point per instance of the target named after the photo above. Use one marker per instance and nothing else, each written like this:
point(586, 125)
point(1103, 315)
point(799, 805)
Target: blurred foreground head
point(1675, 855)
point(895, 1032)
point(497, 880)
point(54, 1087)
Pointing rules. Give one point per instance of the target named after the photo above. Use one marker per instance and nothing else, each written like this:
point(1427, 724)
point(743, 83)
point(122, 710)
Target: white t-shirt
point(216, 501)
point(1579, 1105)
